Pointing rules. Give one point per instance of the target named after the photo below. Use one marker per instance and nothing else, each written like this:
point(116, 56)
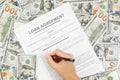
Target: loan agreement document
point(58, 29)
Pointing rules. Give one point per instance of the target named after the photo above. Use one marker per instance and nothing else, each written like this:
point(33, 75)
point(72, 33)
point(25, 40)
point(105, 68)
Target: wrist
point(71, 77)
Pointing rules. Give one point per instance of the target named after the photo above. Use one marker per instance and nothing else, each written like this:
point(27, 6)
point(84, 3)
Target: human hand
point(65, 69)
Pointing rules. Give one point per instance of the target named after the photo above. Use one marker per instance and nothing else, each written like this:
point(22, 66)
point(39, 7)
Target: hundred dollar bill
point(114, 17)
point(97, 26)
point(107, 51)
point(8, 72)
point(76, 0)
point(83, 11)
point(14, 2)
point(34, 8)
point(105, 38)
point(118, 71)
point(10, 58)
point(102, 60)
point(26, 67)
point(1, 55)
point(112, 51)
point(111, 76)
point(116, 39)
point(100, 50)
point(7, 14)
point(13, 50)
point(2, 1)
point(103, 4)
point(111, 64)
point(93, 77)
point(86, 10)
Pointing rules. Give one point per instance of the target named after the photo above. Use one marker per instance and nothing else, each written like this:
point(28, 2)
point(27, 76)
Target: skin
point(65, 69)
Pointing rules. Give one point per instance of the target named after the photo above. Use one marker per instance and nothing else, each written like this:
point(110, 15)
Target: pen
point(57, 59)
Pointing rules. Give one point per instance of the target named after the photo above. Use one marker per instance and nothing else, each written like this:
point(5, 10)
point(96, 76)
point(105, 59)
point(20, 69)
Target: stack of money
point(100, 19)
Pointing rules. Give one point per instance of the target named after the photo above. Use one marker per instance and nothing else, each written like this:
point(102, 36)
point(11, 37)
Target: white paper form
point(58, 29)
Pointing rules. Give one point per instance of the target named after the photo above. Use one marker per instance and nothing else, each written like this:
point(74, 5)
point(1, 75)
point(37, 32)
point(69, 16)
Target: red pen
point(57, 59)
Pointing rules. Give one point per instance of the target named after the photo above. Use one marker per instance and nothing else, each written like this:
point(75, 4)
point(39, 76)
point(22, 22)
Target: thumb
point(51, 62)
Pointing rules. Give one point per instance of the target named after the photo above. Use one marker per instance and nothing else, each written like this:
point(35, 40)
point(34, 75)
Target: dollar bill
point(100, 50)
point(102, 60)
point(97, 26)
point(107, 51)
point(105, 38)
point(7, 14)
point(1, 55)
point(114, 17)
point(111, 76)
point(110, 39)
point(111, 64)
point(118, 72)
point(112, 51)
point(2, 1)
point(8, 72)
point(116, 39)
point(10, 58)
point(25, 14)
point(83, 11)
point(34, 8)
point(76, 0)
point(90, 78)
point(14, 2)
point(12, 51)
point(26, 67)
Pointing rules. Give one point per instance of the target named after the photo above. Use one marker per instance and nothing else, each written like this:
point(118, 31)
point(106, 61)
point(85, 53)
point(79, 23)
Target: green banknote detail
point(96, 31)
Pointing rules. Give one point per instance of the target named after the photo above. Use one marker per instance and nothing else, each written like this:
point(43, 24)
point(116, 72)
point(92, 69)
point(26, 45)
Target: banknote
point(114, 17)
point(76, 0)
point(10, 58)
point(25, 14)
point(111, 76)
point(93, 77)
point(2, 1)
point(116, 39)
point(34, 8)
point(1, 55)
point(100, 50)
point(14, 2)
point(113, 50)
point(118, 72)
point(13, 49)
point(102, 60)
point(83, 11)
point(107, 51)
point(97, 26)
point(13, 44)
point(26, 67)
point(105, 38)
point(8, 72)
point(40, 7)
point(7, 14)
point(98, 3)
point(111, 64)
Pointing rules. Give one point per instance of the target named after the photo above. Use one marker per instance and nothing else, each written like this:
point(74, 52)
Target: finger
point(51, 62)
point(63, 54)
point(52, 53)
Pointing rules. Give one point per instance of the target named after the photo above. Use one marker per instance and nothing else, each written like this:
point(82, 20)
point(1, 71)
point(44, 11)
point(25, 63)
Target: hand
point(65, 69)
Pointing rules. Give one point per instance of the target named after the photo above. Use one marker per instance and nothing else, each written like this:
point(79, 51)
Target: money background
point(100, 19)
